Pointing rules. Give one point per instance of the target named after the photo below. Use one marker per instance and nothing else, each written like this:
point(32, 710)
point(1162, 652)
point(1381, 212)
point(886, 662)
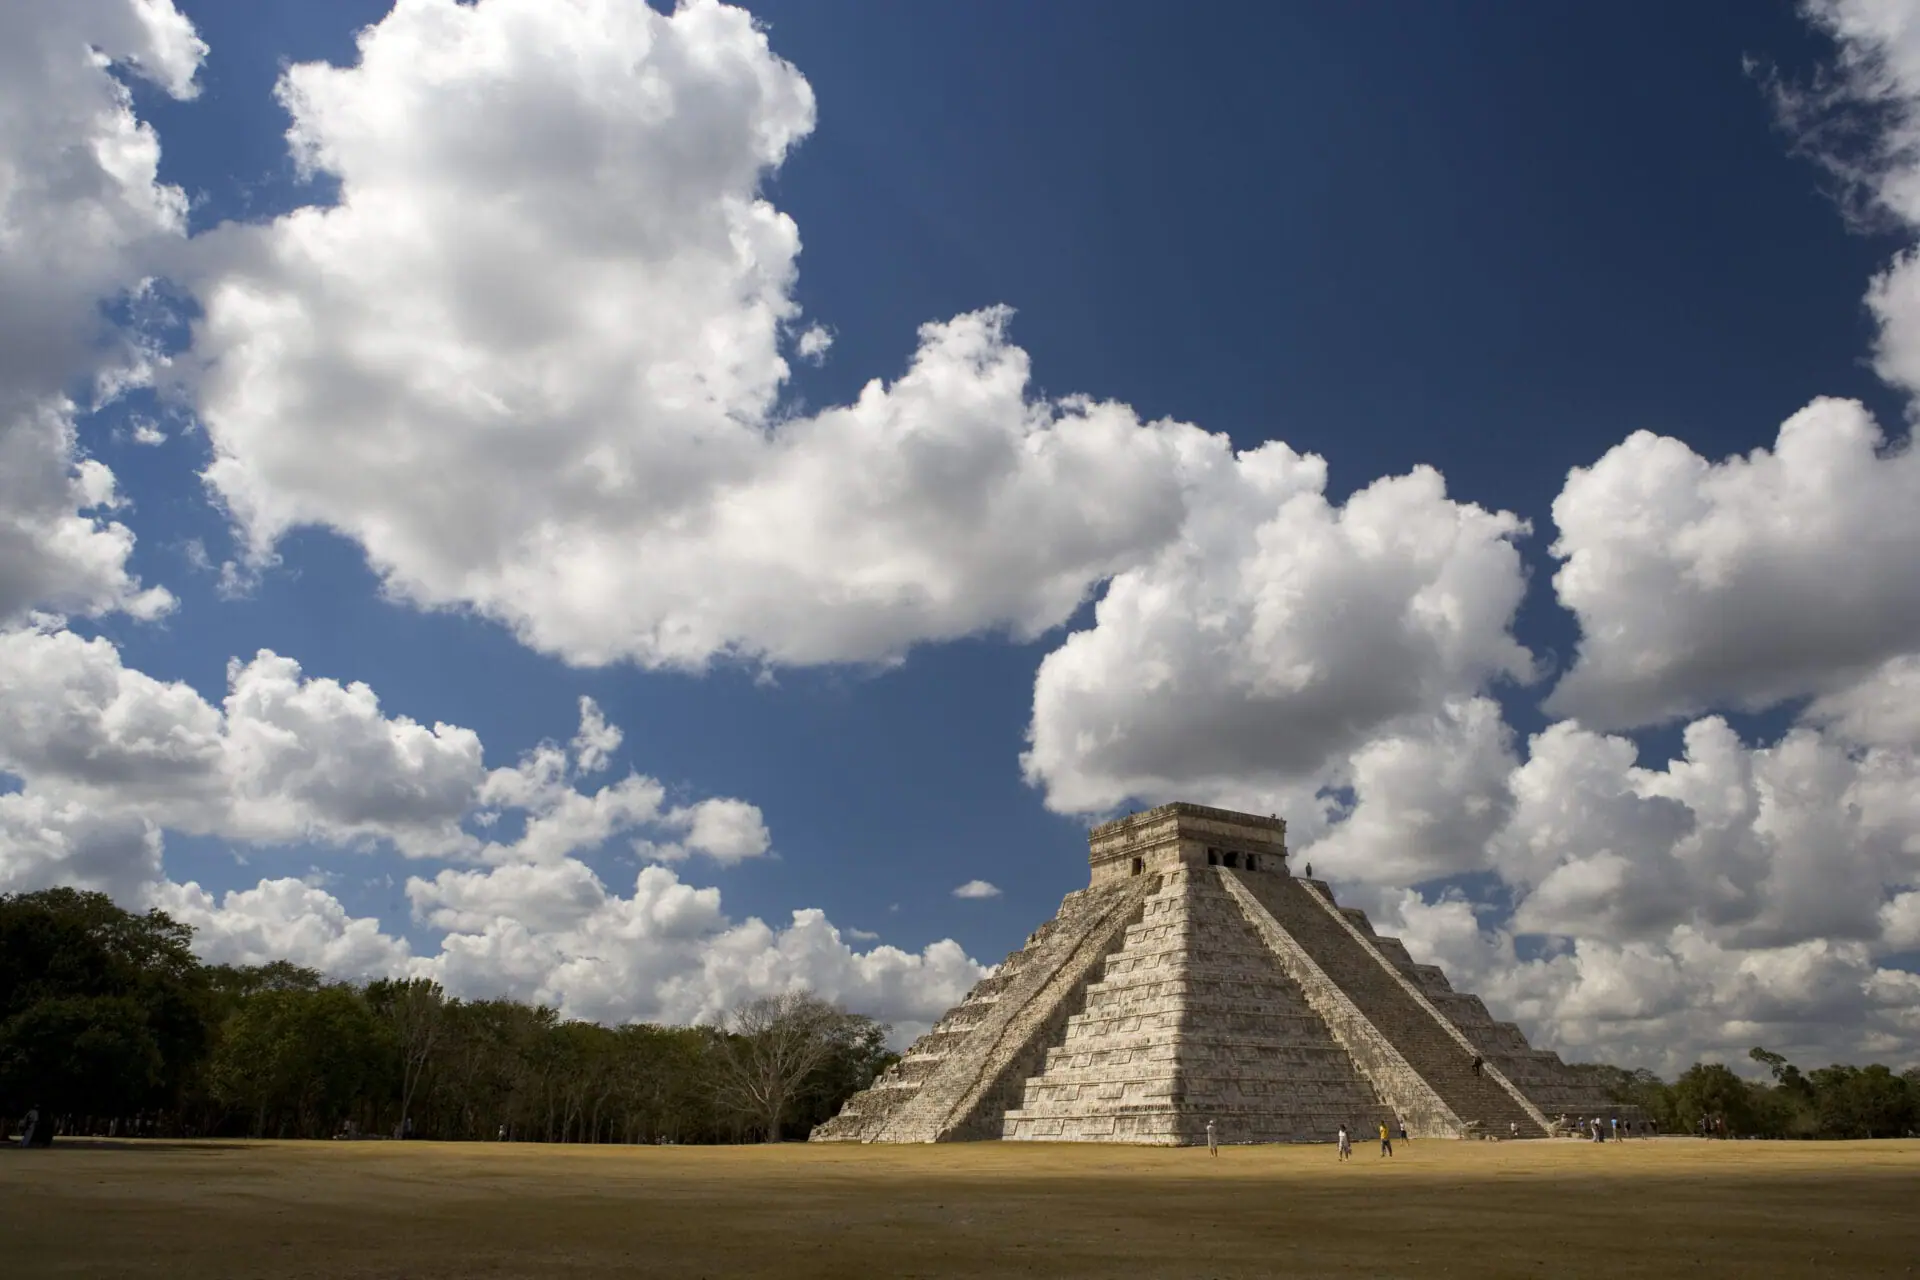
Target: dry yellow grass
point(1480, 1210)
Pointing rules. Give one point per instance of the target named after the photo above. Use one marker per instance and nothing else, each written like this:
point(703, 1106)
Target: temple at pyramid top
point(1196, 979)
point(1185, 835)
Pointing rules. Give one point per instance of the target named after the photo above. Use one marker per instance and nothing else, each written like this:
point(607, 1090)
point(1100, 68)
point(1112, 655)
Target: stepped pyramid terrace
point(1196, 978)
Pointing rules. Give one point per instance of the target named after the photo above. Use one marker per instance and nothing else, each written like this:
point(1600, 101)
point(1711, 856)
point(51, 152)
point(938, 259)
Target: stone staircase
point(1540, 1075)
point(956, 1082)
point(1194, 1020)
point(1403, 1092)
point(1430, 1044)
point(1548, 1083)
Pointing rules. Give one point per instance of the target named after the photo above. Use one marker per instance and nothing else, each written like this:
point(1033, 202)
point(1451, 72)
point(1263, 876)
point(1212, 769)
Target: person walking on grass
point(1386, 1140)
point(1346, 1144)
point(1213, 1140)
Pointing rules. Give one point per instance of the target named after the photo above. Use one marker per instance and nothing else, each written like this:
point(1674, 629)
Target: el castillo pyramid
point(1194, 979)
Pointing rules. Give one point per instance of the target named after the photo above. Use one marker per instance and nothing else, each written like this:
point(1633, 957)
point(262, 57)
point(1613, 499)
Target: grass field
point(1673, 1207)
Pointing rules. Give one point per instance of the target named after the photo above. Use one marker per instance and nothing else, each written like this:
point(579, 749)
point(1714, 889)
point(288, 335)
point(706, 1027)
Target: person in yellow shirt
point(1386, 1140)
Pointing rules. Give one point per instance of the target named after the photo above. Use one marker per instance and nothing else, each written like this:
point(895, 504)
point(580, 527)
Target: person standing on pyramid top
point(1213, 1140)
point(1386, 1141)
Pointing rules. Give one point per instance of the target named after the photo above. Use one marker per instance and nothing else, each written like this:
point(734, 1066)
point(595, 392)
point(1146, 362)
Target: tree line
point(110, 1025)
point(1837, 1101)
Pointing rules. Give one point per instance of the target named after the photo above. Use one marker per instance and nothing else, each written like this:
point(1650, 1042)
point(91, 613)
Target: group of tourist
point(1344, 1138)
point(1600, 1128)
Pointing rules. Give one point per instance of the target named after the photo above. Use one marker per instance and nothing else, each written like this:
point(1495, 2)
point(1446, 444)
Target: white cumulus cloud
point(532, 361)
point(1247, 662)
point(287, 757)
point(594, 745)
point(84, 221)
point(727, 831)
point(666, 951)
point(284, 757)
point(286, 919)
point(1738, 583)
point(46, 842)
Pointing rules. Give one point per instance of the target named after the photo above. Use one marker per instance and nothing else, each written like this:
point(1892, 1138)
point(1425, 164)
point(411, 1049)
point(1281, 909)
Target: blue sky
point(1491, 241)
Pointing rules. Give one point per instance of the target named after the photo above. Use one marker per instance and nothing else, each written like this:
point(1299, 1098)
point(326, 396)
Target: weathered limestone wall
point(1431, 1045)
point(956, 1082)
point(1193, 1020)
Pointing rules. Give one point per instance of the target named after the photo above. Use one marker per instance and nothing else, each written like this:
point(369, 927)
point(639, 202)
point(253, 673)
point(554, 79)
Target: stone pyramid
point(1197, 979)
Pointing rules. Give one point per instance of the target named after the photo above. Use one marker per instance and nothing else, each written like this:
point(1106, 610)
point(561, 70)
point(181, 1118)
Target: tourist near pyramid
point(1197, 979)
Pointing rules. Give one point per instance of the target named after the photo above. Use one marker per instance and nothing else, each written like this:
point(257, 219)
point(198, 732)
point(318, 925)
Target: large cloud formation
point(1741, 583)
point(1275, 637)
point(531, 361)
point(84, 221)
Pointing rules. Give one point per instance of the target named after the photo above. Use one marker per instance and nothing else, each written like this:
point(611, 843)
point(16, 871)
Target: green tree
point(1787, 1109)
point(1862, 1102)
point(1712, 1089)
point(301, 1062)
point(125, 985)
point(662, 1084)
point(413, 1011)
point(237, 982)
point(80, 1055)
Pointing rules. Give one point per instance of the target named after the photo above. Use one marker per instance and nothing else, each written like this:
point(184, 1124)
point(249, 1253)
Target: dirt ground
point(1546, 1209)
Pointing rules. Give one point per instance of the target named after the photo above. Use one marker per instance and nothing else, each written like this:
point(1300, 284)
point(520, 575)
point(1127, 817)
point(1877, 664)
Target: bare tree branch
point(768, 1048)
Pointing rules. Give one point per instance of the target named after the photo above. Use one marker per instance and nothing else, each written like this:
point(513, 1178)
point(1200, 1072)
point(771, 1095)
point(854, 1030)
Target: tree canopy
point(1827, 1102)
point(108, 1020)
